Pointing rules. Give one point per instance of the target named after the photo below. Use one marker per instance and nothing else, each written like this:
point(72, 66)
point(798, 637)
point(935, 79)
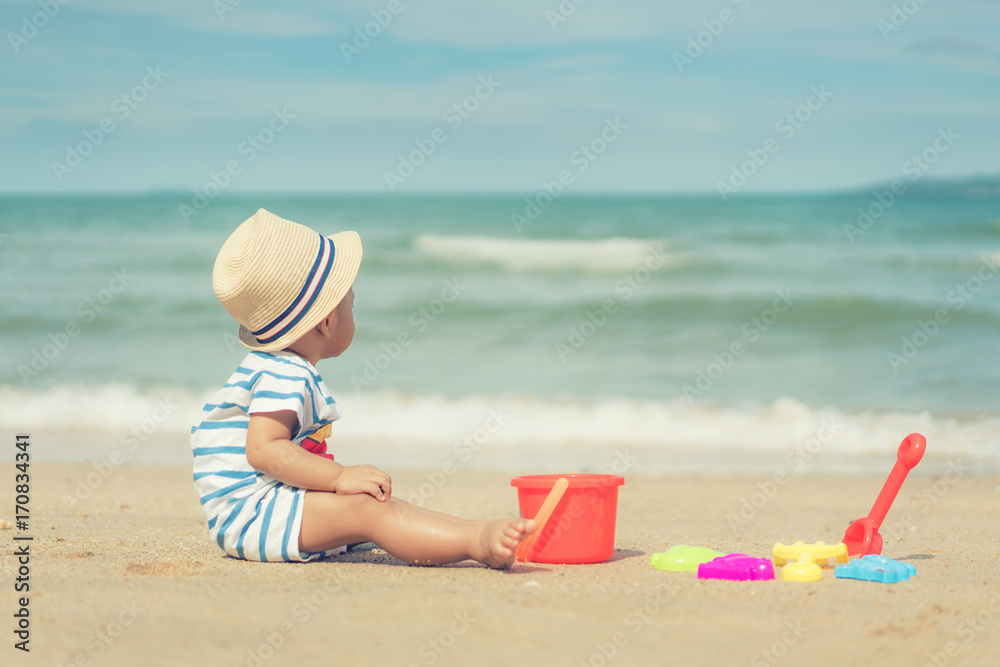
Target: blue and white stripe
point(250, 514)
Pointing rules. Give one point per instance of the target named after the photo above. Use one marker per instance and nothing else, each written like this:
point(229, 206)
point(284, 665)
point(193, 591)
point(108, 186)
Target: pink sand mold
point(737, 567)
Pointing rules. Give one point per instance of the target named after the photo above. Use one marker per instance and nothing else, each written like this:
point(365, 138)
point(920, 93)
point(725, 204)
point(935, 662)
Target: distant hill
point(974, 186)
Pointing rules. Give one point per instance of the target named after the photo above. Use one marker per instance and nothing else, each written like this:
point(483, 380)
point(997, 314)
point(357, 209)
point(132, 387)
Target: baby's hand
point(364, 479)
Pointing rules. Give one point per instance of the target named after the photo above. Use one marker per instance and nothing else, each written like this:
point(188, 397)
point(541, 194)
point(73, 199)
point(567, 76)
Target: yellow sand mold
point(819, 551)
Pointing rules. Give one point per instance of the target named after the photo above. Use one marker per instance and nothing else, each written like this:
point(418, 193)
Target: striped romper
point(252, 515)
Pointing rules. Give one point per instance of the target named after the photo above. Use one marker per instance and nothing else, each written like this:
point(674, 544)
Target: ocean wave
point(988, 259)
point(107, 409)
point(599, 255)
point(927, 259)
point(118, 412)
point(970, 263)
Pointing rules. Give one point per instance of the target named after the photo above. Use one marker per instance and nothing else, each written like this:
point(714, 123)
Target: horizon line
point(969, 180)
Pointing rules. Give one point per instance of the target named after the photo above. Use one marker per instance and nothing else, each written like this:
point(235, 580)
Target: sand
point(128, 576)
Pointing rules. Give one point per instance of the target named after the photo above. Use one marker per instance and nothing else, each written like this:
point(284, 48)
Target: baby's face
point(341, 326)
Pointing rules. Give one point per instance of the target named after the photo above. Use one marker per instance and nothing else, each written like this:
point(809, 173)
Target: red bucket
point(582, 526)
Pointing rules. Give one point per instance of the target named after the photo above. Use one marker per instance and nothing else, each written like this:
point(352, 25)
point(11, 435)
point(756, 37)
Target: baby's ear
point(325, 325)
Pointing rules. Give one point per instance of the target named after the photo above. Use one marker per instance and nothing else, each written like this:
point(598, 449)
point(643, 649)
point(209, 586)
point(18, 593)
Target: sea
point(644, 333)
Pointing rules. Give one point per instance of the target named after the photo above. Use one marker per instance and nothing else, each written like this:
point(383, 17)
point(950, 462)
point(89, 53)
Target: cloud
point(954, 47)
point(706, 123)
point(234, 16)
point(580, 61)
point(272, 22)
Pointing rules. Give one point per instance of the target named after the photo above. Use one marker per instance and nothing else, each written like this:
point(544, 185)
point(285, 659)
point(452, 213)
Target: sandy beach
point(127, 576)
point(734, 252)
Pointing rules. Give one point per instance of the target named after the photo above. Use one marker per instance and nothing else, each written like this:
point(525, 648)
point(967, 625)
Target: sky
point(413, 96)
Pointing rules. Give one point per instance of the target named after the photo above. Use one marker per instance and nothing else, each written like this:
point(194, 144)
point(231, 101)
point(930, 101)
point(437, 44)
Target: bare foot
point(499, 539)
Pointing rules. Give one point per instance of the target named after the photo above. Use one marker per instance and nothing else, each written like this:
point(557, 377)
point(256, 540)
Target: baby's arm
point(271, 450)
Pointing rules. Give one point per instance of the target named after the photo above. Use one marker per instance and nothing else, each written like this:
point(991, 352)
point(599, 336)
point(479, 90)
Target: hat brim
point(346, 261)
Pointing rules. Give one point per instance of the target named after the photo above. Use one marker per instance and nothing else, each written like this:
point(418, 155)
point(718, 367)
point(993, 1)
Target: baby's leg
point(407, 532)
point(440, 515)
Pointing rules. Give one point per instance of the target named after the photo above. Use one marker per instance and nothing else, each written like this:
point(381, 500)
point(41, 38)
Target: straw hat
point(279, 279)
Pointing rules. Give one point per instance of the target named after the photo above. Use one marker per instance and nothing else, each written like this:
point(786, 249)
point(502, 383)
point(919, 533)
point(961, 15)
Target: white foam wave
point(610, 254)
point(988, 260)
point(409, 423)
point(112, 408)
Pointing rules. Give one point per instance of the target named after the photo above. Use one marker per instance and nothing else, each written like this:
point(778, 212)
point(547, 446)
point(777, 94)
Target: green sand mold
point(683, 558)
